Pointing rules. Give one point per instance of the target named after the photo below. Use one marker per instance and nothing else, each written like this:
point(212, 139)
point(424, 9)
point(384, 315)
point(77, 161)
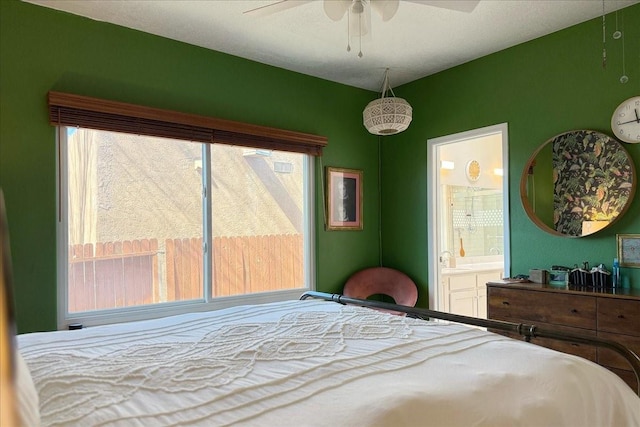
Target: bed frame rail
point(524, 330)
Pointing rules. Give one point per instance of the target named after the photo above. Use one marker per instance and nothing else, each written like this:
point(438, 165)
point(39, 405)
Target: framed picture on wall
point(344, 199)
point(629, 250)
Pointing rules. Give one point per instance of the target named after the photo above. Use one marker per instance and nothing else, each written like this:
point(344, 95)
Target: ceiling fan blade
point(335, 9)
point(386, 8)
point(459, 5)
point(275, 7)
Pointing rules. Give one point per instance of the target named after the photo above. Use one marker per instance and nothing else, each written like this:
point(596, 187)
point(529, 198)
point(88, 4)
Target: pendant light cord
point(386, 85)
point(380, 200)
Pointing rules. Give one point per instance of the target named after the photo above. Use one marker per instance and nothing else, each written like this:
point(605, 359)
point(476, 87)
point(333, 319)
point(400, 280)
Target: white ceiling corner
point(418, 41)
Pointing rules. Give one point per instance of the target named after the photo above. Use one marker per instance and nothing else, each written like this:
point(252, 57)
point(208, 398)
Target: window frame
point(144, 312)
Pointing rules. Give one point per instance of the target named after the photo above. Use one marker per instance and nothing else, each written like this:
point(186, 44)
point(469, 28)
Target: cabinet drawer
point(557, 308)
point(612, 359)
point(583, 350)
point(577, 349)
point(619, 316)
point(462, 281)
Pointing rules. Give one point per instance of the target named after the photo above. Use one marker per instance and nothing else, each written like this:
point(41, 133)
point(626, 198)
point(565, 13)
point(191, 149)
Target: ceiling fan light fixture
point(387, 115)
point(357, 7)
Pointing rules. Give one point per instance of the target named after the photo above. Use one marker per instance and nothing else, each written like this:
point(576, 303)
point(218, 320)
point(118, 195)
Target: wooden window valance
point(83, 111)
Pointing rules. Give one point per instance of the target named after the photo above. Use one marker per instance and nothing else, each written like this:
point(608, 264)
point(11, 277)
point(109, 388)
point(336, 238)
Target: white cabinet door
point(463, 302)
point(466, 294)
point(455, 283)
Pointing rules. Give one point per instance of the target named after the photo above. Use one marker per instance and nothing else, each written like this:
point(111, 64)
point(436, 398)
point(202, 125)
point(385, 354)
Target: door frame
point(433, 183)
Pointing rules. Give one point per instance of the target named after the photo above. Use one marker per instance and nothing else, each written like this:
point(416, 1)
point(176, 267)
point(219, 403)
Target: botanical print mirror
point(577, 183)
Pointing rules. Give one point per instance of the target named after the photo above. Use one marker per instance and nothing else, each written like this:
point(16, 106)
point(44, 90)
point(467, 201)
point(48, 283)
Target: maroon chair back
point(382, 281)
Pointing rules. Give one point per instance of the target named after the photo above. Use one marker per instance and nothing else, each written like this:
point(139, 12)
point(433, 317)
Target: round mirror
point(577, 183)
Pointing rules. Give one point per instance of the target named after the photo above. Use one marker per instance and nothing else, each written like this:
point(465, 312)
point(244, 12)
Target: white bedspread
point(314, 363)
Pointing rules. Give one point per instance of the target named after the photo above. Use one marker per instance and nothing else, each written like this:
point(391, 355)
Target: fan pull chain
point(624, 78)
point(348, 32)
point(360, 38)
point(617, 34)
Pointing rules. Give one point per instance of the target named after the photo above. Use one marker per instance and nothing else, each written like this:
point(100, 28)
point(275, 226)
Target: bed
point(313, 363)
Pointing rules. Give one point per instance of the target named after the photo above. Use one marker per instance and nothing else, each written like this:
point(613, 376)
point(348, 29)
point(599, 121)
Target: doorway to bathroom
point(468, 217)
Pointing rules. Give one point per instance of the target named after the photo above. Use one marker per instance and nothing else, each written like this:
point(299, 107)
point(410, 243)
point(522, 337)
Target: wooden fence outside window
point(138, 272)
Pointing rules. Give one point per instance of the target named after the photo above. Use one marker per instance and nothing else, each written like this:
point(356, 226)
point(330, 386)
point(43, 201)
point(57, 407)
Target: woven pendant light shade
point(387, 115)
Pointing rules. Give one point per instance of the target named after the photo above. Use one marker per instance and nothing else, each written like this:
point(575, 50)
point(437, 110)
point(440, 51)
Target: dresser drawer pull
point(573, 310)
point(620, 316)
point(505, 302)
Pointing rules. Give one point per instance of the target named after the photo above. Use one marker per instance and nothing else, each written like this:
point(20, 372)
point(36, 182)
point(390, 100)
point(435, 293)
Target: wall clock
point(625, 122)
point(473, 170)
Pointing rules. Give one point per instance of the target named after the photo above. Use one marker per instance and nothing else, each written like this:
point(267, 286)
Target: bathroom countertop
point(471, 268)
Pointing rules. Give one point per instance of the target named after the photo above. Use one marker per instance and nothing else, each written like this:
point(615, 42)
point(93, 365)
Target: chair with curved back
point(382, 281)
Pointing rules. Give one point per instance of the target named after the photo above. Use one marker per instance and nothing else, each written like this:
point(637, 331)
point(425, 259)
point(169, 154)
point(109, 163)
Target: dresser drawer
point(611, 358)
point(578, 349)
point(619, 316)
point(612, 317)
point(547, 307)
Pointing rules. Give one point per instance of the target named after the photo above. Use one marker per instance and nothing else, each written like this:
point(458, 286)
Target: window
point(152, 226)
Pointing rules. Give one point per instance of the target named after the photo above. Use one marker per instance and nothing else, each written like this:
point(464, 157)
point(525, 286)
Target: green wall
point(42, 50)
point(540, 88)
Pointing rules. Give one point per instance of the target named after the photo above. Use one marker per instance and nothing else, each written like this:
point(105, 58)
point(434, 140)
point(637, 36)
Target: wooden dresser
point(605, 313)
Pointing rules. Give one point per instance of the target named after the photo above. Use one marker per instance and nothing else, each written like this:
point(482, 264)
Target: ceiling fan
point(336, 9)
point(358, 11)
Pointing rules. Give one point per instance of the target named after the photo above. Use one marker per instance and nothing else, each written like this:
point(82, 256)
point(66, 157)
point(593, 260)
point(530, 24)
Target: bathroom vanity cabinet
point(606, 313)
point(464, 291)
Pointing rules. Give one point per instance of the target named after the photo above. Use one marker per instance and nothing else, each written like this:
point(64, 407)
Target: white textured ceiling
point(418, 41)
